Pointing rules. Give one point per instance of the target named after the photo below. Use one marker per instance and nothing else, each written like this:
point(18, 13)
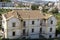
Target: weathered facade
point(29, 24)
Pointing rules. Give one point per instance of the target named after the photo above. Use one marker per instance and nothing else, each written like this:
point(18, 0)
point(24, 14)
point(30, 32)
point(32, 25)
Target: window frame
point(32, 30)
point(13, 24)
point(24, 23)
point(50, 29)
point(51, 21)
point(24, 31)
point(40, 30)
point(41, 24)
point(33, 22)
point(13, 33)
point(50, 36)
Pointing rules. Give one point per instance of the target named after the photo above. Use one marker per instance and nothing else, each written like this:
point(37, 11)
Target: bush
point(34, 7)
point(4, 10)
point(55, 11)
point(44, 10)
point(5, 0)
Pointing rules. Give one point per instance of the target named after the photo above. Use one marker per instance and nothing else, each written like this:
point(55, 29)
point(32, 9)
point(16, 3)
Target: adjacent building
point(0, 21)
point(28, 24)
point(57, 4)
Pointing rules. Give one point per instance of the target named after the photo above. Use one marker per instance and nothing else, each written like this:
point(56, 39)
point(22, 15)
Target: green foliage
point(34, 7)
point(4, 10)
point(55, 10)
point(57, 31)
point(8, 0)
point(58, 20)
point(44, 10)
point(0, 27)
point(5, 0)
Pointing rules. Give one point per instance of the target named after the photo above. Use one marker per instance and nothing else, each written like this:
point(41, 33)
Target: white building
point(28, 23)
point(57, 4)
point(7, 4)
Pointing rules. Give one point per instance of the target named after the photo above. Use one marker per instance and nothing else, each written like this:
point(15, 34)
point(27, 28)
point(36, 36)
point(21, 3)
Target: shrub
point(34, 7)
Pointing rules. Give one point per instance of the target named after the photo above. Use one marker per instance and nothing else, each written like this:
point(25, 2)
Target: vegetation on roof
point(4, 10)
point(34, 7)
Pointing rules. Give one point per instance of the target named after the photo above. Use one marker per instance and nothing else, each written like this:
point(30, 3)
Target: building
point(29, 24)
point(57, 4)
point(7, 4)
point(0, 21)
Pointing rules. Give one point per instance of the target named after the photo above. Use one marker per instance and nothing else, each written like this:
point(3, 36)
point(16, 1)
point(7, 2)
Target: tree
point(54, 11)
point(5, 0)
point(34, 7)
point(4, 10)
point(44, 9)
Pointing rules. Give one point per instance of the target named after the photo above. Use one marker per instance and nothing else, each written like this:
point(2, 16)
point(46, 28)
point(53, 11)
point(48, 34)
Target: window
point(24, 32)
point(24, 23)
point(0, 0)
point(32, 30)
point(51, 22)
point(50, 36)
point(32, 22)
point(40, 24)
point(13, 24)
point(40, 30)
point(50, 29)
point(13, 33)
